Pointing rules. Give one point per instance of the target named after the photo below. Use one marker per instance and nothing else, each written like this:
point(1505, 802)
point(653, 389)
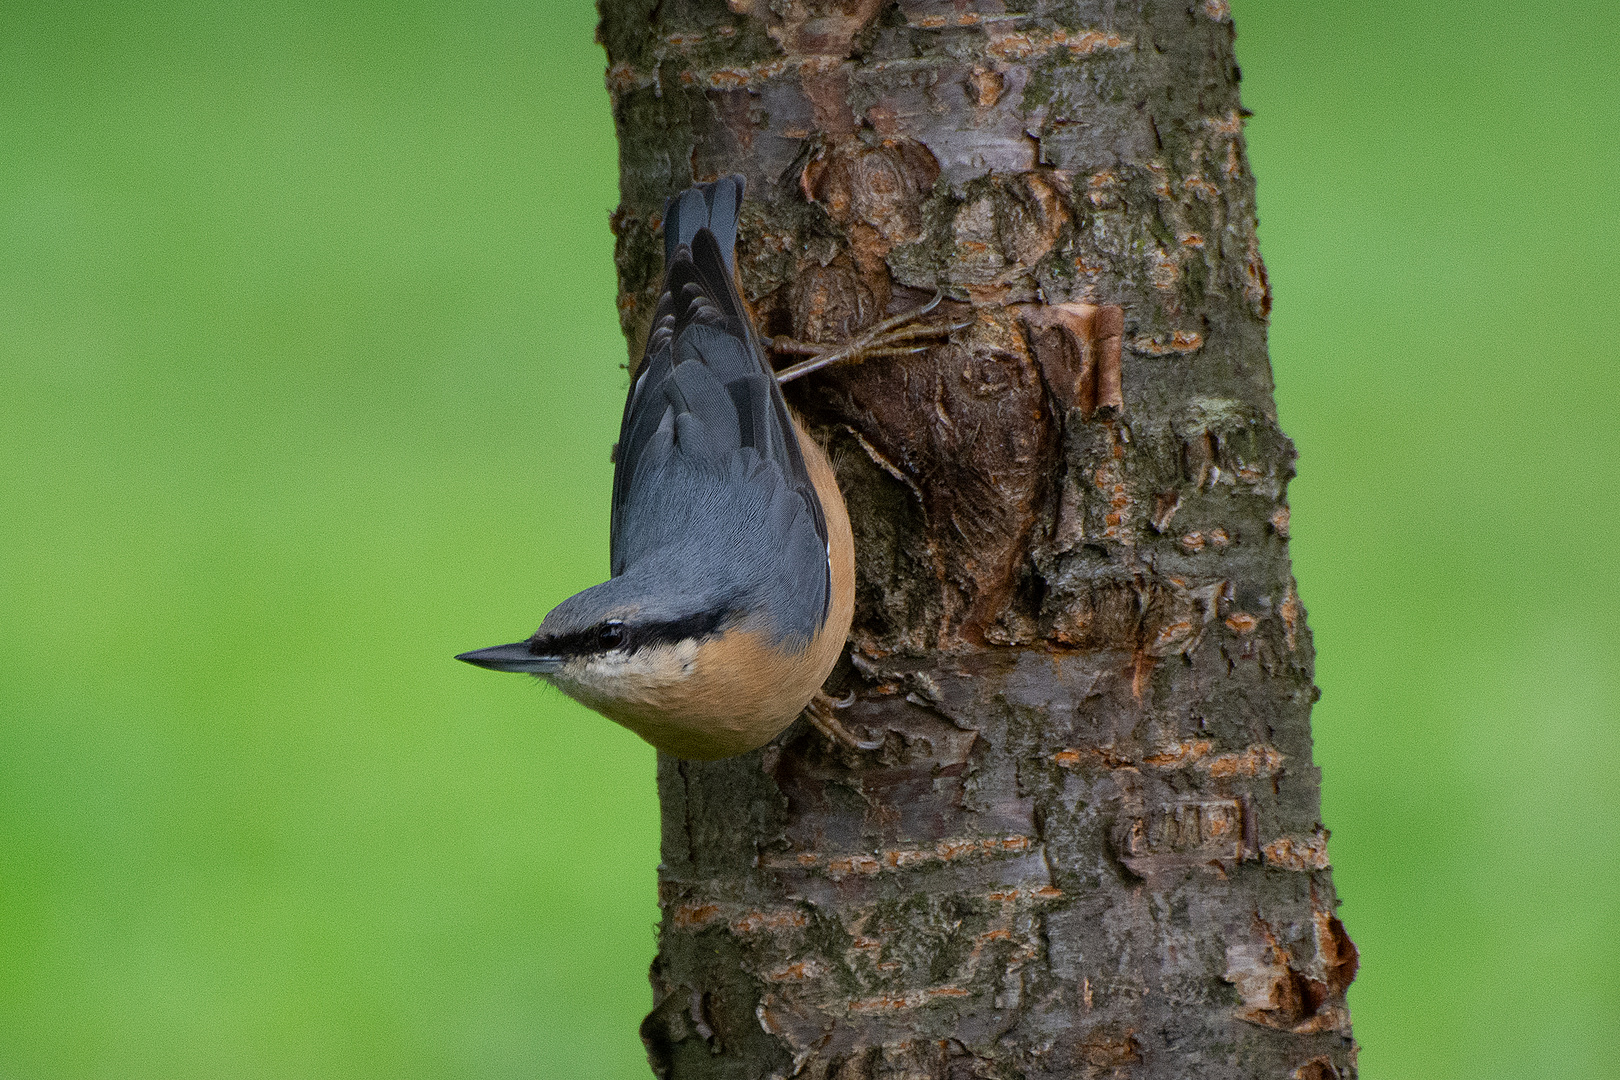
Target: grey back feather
point(711, 496)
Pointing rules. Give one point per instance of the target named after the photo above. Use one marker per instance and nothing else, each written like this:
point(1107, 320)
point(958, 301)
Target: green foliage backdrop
point(308, 374)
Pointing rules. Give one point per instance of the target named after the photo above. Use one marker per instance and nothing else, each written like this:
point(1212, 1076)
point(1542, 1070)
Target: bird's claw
point(891, 337)
point(820, 712)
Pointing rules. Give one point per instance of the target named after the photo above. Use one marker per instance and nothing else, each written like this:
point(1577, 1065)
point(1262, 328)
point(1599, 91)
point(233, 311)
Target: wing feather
point(704, 398)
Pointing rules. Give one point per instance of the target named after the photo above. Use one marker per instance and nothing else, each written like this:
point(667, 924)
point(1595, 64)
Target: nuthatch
point(733, 566)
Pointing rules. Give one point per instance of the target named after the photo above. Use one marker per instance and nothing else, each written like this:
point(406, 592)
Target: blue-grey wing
point(705, 422)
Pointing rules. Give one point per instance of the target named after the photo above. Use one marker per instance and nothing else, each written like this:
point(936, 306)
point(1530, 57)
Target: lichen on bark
point(1090, 844)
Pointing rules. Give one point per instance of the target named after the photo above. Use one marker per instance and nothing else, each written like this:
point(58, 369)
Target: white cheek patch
point(628, 676)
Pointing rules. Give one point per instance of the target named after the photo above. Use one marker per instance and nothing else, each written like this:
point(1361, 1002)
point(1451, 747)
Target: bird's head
point(684, 652)
point(614, 646)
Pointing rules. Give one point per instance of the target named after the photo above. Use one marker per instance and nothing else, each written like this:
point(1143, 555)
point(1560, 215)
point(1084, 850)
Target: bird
point(732, 563)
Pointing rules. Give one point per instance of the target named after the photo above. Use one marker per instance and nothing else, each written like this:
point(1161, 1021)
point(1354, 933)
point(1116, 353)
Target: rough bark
point(1090, 845)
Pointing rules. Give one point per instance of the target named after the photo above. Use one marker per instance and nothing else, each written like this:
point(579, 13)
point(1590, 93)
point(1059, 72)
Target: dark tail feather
point(704, 206)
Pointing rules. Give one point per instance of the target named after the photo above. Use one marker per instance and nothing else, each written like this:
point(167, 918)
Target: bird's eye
point(612, 636)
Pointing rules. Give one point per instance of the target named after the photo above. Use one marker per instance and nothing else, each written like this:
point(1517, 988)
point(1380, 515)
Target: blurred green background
point(308, 373)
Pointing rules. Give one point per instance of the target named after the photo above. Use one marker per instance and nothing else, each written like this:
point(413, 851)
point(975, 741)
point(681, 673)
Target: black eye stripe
point(616, 635)
point(701, 625)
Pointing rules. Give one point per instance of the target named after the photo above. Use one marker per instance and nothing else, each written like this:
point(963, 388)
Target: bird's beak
point(514, 657)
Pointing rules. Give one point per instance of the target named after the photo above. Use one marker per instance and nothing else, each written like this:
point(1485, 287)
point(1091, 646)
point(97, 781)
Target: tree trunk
point(1090, 843)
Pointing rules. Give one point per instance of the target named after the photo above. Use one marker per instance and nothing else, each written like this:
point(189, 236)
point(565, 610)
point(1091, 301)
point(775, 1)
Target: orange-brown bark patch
point(1298, 853)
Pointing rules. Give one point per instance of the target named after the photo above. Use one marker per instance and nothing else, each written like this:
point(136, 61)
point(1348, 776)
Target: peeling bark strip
point(1089, 845)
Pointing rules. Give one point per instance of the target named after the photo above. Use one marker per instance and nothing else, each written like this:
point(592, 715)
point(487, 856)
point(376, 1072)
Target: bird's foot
point(822, 712)
point(898, 335)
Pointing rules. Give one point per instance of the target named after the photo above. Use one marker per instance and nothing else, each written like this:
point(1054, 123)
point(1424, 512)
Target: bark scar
point(1078, 349)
